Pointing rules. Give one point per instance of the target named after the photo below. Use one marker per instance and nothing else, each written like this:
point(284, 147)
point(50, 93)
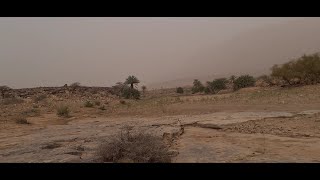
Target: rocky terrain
point(58, 91)
point(251, 125)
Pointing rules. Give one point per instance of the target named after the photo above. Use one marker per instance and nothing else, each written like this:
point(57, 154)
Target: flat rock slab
point(202, 145)
point(218, 119)
point(78, 140)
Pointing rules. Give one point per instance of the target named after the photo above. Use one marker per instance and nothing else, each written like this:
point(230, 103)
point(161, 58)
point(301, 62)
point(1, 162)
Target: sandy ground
point(252, 125)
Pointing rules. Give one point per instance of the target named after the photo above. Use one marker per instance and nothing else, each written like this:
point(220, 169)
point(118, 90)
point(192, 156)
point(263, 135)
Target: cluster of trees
point(213, 87)
point(302, 71)
point(127, 89)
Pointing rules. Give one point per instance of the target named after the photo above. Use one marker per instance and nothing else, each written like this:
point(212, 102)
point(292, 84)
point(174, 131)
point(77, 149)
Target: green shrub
point(243, 81)
point(304, 70)
point(88, 104)
point(197, 86)
point(130, 93)
point(179, 90)
point(216, 85)
point(63, 111)
point(118, 88)
point(208, 90)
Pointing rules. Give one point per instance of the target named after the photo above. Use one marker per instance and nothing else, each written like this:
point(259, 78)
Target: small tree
point(197, 86)
point(304, 70)
point(118, 88)
point(219, 84)
point(215, 86)
point(208, 89)
point(130, 93)
point(180, 90)
point(243, 81)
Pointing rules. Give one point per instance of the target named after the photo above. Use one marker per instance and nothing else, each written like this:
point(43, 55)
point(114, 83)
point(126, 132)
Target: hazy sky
point(103, 51)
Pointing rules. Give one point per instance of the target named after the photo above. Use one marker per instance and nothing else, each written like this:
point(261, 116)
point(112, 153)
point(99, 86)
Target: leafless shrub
point(63, 111)
point(136, 148)
point(122, 102)
point(22, 120)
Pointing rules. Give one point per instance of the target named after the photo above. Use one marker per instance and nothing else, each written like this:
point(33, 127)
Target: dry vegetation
point(22, 120)
point(135, 148)
point(63, 111)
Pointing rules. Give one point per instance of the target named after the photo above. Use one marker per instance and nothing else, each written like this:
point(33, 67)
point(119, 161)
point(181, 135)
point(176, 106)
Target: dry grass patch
point(135, 148)
point(63, 111)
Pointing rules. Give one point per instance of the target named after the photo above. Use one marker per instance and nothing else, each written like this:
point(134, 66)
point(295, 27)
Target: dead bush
point(135, 148)
point(63, 111)
point(22, 120)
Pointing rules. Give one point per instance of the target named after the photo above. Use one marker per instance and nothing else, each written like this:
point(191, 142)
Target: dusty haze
point(103, 51)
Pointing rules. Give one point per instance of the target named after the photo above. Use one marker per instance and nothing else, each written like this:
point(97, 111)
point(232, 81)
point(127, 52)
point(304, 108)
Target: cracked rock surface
point(215, 137)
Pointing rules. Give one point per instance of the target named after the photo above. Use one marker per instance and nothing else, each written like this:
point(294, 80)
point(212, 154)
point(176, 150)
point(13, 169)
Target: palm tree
point(132, 80)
